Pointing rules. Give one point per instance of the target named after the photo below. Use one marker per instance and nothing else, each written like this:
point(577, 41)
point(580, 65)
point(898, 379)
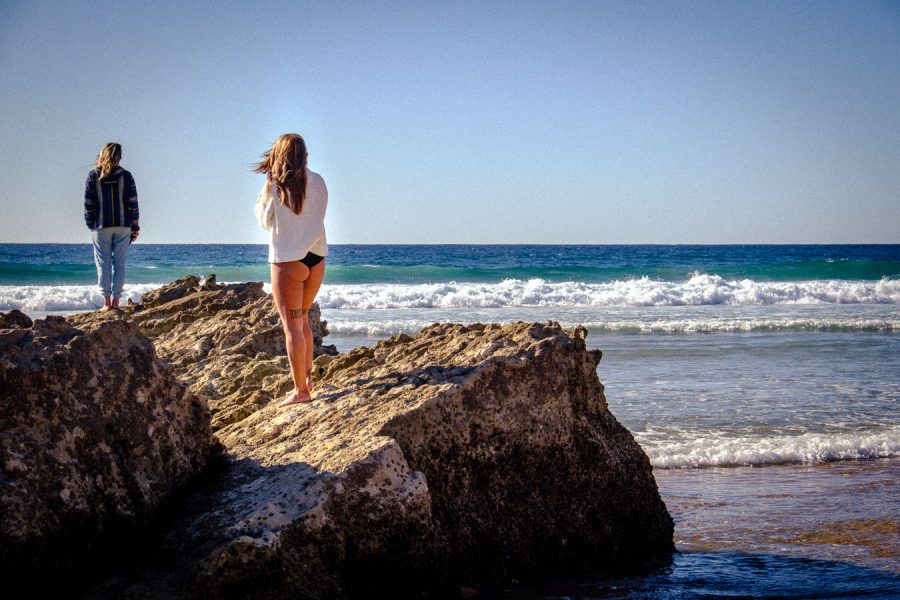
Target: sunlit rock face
point(225, 340)
point(465, 454)
point(462, 456)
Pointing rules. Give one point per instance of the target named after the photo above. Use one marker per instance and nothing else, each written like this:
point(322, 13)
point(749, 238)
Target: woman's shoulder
point(315, 182)
point(268, 190)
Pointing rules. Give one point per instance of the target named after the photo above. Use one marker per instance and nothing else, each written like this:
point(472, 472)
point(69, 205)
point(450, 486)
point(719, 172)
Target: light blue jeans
point(110, 247)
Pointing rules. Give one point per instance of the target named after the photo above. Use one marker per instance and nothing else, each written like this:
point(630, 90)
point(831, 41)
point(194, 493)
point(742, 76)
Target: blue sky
point(463, 122)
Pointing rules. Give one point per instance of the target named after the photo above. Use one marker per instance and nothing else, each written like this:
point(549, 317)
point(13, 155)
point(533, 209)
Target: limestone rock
point(225, 340)
point(95, 432)
point(463, 455)
point(469, 454)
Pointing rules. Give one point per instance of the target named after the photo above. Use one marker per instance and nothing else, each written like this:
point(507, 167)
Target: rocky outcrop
point(225, 340)
point(95, 432)
point(463, 455)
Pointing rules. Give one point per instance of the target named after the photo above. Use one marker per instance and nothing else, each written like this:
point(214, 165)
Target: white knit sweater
point(291, 236)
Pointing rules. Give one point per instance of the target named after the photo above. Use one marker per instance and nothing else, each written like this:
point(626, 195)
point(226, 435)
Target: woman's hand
point(134, 235)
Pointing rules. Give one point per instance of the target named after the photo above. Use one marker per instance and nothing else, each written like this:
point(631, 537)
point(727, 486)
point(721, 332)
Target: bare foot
point(296, 397)
point(106, 308)
point(115, 304)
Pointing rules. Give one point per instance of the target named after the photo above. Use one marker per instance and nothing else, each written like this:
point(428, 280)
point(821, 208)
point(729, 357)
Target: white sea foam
point(49, 298)
point(700, 289)
point(387, 327)
point(726, 325)
point(711, 450)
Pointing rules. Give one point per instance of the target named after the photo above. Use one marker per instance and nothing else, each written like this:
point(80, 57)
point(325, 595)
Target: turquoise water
point(59, 264)
point(54, 277)
point(762, 381)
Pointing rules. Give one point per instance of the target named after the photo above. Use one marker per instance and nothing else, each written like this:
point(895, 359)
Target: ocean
point(762, 381)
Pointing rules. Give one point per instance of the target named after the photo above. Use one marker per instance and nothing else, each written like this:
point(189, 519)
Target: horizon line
point(582, 244)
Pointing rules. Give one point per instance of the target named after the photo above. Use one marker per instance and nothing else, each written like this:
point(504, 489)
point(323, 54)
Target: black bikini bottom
point(311, 260)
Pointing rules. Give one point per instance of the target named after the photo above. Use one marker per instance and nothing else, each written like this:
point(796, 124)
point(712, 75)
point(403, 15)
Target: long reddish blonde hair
point(285, 166)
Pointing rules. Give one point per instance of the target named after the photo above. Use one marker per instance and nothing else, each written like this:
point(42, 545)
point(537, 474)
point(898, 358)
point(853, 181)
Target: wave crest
point(710, 450)
point(701, 289)
point(387, 327)
point(45, 298)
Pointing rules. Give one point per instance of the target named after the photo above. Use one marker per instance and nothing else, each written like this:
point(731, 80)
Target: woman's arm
point(264, 209)
point(133, 210)
point(91, 202)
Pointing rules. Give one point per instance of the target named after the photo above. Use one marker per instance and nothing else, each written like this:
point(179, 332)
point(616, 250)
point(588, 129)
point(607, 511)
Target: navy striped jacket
point(111, 201)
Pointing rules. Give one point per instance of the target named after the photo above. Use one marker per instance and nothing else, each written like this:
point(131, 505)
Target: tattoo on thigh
point(295, 313)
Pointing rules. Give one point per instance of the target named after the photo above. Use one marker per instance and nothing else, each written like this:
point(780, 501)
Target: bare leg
point(115, 303)
point(307, 359)
point(310, 289)
point(107, 304)
point(287, 292)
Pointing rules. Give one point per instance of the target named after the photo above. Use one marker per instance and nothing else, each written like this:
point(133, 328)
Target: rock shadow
point(163, 559)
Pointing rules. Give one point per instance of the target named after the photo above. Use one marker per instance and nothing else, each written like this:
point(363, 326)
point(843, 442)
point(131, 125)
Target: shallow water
point(710, 575)
point(814, 531)
point(845, 511)
point(756, 398)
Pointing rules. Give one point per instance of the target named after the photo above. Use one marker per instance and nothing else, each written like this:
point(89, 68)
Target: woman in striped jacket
point(111, 213)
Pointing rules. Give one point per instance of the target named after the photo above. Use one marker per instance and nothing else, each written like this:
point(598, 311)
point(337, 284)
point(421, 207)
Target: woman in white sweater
point(291, 206)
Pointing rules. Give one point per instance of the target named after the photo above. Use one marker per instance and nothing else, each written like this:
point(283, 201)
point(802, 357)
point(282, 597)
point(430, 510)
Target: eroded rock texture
point(465, 454)
point(95, 432)
point(225, 340)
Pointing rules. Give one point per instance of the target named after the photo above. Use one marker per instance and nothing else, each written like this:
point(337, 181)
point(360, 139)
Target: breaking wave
point(712, 450)
point(387, 327)
point(64, 298)
point(700, 289)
